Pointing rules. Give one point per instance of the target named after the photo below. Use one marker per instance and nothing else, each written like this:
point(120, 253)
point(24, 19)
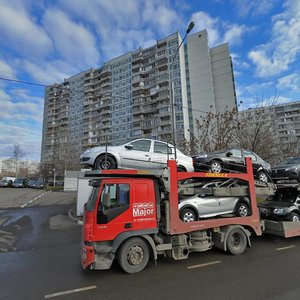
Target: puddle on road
point(32, 228)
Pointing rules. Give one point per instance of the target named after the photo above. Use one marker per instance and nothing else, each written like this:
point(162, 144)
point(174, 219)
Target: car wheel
point(236, 241)
point(105, 164)
point(241, 210)
point(134, 255)
point(181, 169)
point(215, 167)
point(188, 215)
point(262, 176)
point(294, 217)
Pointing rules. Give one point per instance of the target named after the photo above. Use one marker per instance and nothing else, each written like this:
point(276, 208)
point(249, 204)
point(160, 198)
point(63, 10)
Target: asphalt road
point(39, 259)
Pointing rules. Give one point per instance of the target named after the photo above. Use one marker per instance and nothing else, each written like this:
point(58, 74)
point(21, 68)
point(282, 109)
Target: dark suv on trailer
point(232, 159)
point(288, 169)
point(283, 206)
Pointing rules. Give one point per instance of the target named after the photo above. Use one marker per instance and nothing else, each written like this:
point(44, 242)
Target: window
point(236, 153)
point(251, 155)
point(162, 148)
point(141, 145)
point(113, 202)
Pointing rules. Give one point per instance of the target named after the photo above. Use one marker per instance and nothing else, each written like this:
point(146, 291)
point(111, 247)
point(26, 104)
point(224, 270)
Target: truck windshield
point(90, 205)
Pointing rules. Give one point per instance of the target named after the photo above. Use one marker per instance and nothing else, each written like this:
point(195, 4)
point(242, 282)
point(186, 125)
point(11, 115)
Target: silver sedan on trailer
point(138, 154)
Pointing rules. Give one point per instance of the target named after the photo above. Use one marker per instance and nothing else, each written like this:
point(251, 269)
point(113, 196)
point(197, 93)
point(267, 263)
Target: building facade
point(283, 122)
point(129, 97)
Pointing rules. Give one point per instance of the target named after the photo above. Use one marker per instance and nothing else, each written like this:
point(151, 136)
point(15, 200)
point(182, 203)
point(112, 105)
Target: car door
point(136, 155)
point(160, 153)
point(235, 161)
point(227, 204)
point(207, 206)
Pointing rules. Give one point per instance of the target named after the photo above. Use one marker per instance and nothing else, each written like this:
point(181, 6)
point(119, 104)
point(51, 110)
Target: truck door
point(113, 213)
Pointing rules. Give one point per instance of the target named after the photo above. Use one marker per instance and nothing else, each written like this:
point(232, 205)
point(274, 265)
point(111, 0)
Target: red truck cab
point(116, 208)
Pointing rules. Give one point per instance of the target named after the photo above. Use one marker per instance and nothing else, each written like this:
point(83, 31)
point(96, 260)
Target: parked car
point(288, 169)
point(20, 182)
point(205, 205)
point(283, 206)
point(39, 184)
point(6, 183)
point(138, 154)
point(31, 183)
point(232, 159)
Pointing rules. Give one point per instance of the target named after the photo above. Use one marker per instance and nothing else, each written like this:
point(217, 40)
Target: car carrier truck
point(132, 216)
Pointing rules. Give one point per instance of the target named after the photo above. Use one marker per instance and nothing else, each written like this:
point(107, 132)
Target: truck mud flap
point(282, 229)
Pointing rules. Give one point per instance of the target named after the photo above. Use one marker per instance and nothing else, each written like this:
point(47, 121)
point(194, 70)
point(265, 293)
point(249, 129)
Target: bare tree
point(215, 131)
point(18, 153)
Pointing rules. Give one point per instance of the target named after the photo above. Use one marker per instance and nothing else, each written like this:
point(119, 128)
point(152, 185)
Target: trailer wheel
point(134, 255)
point(188, 215)
point(236, 241)
point(294, 217)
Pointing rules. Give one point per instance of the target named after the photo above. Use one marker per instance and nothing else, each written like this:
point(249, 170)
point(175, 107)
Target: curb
point(79, 222)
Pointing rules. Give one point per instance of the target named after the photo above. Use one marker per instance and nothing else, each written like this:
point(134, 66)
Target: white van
point(7, 181)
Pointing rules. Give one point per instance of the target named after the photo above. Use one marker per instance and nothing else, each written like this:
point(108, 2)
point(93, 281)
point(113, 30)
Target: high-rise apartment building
point(283, 122)
point(129, 97)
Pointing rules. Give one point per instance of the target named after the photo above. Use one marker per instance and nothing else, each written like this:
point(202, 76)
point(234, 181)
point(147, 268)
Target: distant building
point(129, 97)
point(11, 167)
point(286, 126)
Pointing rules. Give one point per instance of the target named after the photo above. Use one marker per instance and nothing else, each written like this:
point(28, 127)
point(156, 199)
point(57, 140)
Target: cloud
point(20, 121)
point(219, 32)
point(291, 82)
point(21, 33)
point(281, 51)
point(254, 7)
point(7, 71)
point(72, 41)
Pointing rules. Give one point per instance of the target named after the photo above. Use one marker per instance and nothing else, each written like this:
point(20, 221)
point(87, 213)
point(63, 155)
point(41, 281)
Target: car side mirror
point(228, 154)
point(129, 147)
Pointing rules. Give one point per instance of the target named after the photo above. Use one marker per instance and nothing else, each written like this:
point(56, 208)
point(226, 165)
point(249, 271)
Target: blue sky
point(47, 41)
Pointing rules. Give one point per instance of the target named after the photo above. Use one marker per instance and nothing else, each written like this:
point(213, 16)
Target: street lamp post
point(188, 30)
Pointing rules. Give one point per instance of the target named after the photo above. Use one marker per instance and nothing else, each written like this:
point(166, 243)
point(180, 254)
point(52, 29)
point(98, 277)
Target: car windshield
point(19, 180)
point(284, 196)
point(291, 161)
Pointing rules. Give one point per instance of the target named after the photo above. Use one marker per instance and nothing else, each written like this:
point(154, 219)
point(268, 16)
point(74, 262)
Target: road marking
point(284, 248)
point(37, 197)
point(70, 292)
point(204, 265)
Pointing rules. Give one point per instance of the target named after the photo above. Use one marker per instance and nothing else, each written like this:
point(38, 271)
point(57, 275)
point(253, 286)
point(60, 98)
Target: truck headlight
point(280, 211)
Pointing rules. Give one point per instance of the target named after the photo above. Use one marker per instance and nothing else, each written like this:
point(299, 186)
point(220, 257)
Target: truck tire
point(188, 215)
point(102, 164)
point(216, 166)
point(236, 241)
point(134, 255)
point(241, 210)
point(294, 217)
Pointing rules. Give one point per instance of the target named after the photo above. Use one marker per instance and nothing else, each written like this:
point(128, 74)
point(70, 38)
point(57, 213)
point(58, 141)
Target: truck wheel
point(105, 164)
point(134, 255)
point(215, 166)
point(241, 210)
point(236, 241)
point(294, 217)
point(188, 215)
point(262, 176)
